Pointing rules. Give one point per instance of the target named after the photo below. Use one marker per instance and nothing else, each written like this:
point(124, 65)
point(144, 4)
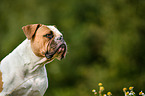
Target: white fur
point(19, 72)
point(57, 32)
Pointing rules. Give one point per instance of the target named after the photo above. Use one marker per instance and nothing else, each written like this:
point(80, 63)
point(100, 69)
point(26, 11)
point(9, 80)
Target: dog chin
point(59, 53)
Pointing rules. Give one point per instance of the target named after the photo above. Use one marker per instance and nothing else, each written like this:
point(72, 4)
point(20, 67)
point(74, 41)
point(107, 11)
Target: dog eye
point(50, 36)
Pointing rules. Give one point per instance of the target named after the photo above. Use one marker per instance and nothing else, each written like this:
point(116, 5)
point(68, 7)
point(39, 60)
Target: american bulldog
point(22, 72)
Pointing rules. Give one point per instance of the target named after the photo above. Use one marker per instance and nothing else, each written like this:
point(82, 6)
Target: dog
point(22, 72)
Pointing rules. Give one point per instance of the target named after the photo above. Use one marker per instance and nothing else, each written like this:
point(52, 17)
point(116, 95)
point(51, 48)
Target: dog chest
point(32, 86)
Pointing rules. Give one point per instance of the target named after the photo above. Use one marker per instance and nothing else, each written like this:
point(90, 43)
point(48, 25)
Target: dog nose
point(60, 38)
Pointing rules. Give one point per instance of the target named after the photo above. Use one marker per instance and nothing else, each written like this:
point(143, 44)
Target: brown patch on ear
point(1, 82)
point(29, 30)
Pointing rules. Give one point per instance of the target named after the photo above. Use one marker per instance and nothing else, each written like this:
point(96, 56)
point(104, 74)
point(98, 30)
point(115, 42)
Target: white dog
point(22, 72)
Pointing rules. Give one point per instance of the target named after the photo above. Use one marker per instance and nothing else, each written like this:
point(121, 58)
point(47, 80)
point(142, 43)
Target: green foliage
point(105, 41)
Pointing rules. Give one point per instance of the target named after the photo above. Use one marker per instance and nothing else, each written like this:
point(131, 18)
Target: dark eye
point(50, 36)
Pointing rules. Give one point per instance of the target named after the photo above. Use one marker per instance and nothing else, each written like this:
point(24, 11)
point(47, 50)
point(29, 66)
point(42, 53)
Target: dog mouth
point(59, 52)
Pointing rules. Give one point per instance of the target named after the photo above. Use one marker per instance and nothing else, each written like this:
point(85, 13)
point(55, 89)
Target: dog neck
point(23, 64)
point(30, 60)
point(24, 57)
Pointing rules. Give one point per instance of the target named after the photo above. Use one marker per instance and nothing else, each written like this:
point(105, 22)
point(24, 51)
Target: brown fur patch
point(1, 82)
point(39, 43)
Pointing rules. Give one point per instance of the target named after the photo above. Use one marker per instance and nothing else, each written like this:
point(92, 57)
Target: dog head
point(46, 41)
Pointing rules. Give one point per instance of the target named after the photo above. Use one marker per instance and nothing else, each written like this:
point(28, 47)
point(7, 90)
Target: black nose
point(60, 38)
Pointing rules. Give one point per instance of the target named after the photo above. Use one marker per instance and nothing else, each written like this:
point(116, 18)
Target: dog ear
point(29, 30)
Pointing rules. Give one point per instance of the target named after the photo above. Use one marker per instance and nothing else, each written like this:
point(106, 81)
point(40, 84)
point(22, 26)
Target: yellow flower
point(131, 88)
point(124, 89)
point(93, 90)
point(101, 88)
point(104, 95)
point(127, 93)
point(141, 93)
point(109, 93)
point(100, 84)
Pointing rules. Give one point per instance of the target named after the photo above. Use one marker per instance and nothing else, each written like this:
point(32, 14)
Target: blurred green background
point(105, 38)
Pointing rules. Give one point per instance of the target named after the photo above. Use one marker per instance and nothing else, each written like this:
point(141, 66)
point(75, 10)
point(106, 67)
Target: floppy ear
point(29, 30)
